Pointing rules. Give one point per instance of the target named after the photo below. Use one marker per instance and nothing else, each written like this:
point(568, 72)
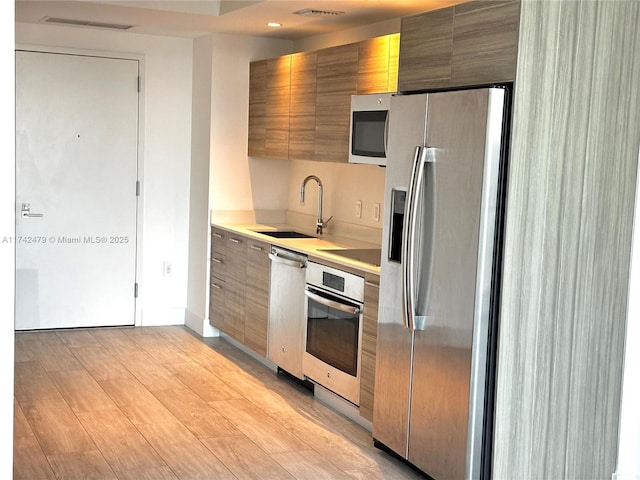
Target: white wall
point(165, 155)
point(237, 182)
point(7, 250)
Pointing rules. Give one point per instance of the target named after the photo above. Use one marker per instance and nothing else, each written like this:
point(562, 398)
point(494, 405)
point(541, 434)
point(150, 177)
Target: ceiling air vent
point(86, 23)
point(311, 12)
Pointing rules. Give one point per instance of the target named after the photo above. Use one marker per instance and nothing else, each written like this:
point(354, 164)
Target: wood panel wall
point(570, 204)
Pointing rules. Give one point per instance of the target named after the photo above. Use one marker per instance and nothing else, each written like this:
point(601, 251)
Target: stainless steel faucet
point(320, 224)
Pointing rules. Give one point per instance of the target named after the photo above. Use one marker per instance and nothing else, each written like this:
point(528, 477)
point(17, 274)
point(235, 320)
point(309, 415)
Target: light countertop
point(313, 247)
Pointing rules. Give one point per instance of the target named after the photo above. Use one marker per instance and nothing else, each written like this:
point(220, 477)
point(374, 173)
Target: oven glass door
point(333, 326)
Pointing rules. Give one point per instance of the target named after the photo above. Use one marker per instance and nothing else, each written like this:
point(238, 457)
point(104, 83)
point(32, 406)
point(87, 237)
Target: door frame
point(140, 58)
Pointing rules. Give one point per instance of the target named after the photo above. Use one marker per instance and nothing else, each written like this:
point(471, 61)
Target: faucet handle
point(326, 222)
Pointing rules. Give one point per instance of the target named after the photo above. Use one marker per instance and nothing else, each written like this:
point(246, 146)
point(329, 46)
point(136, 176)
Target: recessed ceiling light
point(274, 24)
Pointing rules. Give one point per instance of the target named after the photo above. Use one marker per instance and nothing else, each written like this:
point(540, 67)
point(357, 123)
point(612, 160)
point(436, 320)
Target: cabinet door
point(277, 114)
point(234, 300)
point(257, 109)
point(257, 297)
point(217, 278)
point(369, 339)
point(376, 60)
point(485, 42)
point(425, 50)
point(336, 81)
point(302, 121)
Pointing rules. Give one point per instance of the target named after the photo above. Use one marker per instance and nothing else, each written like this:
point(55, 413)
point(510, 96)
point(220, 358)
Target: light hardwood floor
point(161, 403)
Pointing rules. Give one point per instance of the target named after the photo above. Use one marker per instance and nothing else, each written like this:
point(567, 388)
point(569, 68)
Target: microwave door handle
point(332, 304)
point(422, 156)
point(385, 138)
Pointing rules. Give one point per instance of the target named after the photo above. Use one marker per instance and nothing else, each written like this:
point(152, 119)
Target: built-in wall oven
point(333, 310)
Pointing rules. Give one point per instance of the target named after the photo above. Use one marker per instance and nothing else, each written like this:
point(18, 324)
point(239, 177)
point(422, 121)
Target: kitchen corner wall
point(570, 204)
point(165, 155)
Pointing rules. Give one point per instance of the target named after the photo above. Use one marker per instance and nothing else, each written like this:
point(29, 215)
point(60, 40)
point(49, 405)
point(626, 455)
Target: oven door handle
point(332, 304)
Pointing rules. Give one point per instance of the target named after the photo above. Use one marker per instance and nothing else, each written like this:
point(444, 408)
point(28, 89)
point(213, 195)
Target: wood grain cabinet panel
point(369, 339)
point(474, 43)
point(336, 81)
point(257, 108)
point(377, 64)
point(425, 50)
point(302, 108)
point(485, 42)
point(277, 114)
point(236, 266)
point(257, 297)
point(217, 278)
point(269, 83)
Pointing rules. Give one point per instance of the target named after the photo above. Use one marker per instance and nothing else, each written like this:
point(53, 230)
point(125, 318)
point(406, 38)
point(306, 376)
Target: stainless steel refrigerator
point(440, 276)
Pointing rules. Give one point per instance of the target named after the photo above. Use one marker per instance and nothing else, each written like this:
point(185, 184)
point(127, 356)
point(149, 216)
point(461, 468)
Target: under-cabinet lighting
point(274, 24)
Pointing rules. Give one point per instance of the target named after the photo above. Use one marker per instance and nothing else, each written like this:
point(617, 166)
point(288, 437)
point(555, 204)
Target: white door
point(76, 200)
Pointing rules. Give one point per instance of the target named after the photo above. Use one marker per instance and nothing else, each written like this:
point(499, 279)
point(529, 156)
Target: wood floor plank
point(56, 427)
point(245, 459)
point(22, 351)
point(21, 427)
point(208, 386)
point(81, 392)
point(77, 338)
point(121, 444)
point(263, 430)
point(81, 465)
point(161, 473)
point(138, 403)
point(196, 414)
point(101, 364)
point(309, 464)
point(150, 372)
point(29, 462)
point(187, 457)
point(54, 356)
point(31, 383)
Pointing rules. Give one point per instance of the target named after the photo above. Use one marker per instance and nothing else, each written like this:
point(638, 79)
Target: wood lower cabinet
point(473, 43)
point(369, 339)
point(256, 320)
point(239, 288)
point(217, 278)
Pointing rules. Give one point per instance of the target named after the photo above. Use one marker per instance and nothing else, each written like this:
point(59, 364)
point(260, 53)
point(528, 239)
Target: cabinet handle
point(234, 240)
point(255, 247)
point(217, 235)
point(371, 284)
point(216, 260)
point(216, 286)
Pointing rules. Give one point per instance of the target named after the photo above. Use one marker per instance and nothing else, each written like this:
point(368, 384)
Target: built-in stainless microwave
point(368, 128)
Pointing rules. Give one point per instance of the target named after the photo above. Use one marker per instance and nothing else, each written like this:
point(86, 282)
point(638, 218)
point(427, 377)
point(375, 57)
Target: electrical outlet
point(167, 269)
point(358, 209)
point(376, 212)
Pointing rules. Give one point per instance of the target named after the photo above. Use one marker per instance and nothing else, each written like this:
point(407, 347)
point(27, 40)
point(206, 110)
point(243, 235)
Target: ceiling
point(186, 18)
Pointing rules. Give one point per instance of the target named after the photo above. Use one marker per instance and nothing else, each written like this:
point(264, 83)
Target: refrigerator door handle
point(410, 234)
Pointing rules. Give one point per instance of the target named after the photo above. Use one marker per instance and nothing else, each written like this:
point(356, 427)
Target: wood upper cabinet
point(299, 104)
point(473, 43)
point(302, 108)
point(336, 81)
point(369, 339)
point(269, 85)
point(378, 64)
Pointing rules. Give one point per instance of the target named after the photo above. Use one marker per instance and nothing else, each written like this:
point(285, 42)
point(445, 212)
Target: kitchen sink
point(285, 234)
